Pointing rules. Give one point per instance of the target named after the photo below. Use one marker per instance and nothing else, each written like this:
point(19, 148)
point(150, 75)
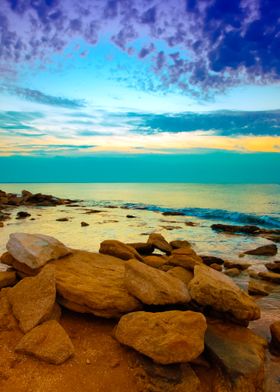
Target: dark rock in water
point(234, 229)
point(22, 215)
point(266, 250)
point(143, 248)
point(173, 213)
point(179, 244)
point(275, 338)
point(237, 264)
point(208, 260)
point(191, 224)
point(92, 211)
point(272, 237)
point(62, 219)
point(256, 288)
point(84, 224)
point(270, 276)
point(239, 352)
point(275, 266)
point(131, 216)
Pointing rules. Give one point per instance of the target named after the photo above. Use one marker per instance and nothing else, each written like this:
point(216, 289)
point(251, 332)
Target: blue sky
point(177, 81)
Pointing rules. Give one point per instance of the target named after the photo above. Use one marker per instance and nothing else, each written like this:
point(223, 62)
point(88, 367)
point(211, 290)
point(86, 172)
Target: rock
point(184, 257)
point(181, 273)
point(119, 249)
point(154, 287)
point(93, 283)
point(159, 242)
point(22, 269)
point(191, 224)
point(208, 260)
point(142, 248)
point(270, 276)
point(131, 216)
point(168, 227)
point(216, 267)
point(7, 319)
point(7, 278)
point(179, 244)
point(266, 250)
point(214, 289)
point(62, 219)
point(256, 288)
point(272, 237)
point(48, 342)
point(232, 272)
point(166, 337)
point(237, 265)
point(173, 213)
point(32, 299)
point(1, 224)
point(35, 250)
point(84, 224)
point(22, 215)
point(155, 261)
point(274, 267)
point(239, 352)
point(275, 337)
point(234, 229)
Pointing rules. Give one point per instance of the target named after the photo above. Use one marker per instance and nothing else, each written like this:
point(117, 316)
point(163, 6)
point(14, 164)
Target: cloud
point(14, 123)
point(41, 98)
point(198, 47)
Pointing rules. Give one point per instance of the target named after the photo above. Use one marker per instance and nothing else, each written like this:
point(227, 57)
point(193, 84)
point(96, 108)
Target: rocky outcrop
point(185, 257)
point(266, 250)
point(48, 342)
point(166, 337)
point(33, 299)
point(159, 242)
point(154, 287)
point(7, 278)
point(27, 198)
point(35, 250)
point(119, 249)
point(214, 289)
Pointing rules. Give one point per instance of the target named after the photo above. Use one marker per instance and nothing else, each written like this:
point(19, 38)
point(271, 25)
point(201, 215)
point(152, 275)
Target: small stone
point(22, 215)
point(84, 224)
point(62, 219)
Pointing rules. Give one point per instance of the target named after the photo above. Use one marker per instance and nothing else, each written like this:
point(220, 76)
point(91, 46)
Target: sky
point(140, 90)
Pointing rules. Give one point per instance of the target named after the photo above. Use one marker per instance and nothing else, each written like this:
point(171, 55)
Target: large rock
point(181, 273)
point(35, 250)
point(7, 278)
point(155, 261)
point(212, 288)
point(185, 257)
point(266, 250)
point(33, 299)
point(48, 342)
point(154, 287)
point(275, 337)
point(166, 337)
point(159, 242)
point(119, 249)
point(93, 283)
point(239, 352)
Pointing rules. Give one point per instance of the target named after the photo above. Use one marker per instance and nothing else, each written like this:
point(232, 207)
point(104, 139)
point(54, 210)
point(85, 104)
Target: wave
point(204, 213)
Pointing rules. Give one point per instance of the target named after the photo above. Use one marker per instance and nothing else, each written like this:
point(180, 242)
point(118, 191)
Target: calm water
point(202, 204)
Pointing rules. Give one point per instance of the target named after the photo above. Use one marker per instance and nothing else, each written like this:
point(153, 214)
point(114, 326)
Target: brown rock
point(213, 288)
point(272, 237)
point(22, 215)
point(93, 283)
point(22, 269)
point(216, 267)
point(275, 337)
point(180, 244)
point(153, 287)
point(208, 260)
point(270, 276)
point(119, 249)
point(155, 261)
point(275, 266)
point(256, 288)
point(143, 248)
point(62, 219)
point(48, 342)
point(84, 224)
point(173, 213)
point(159, 242)
point(181, 273)
point(32, 299)
point(239, 352)
point(234, 229)
point(266, 250)
point(184, 257)
point(7, 319)
point(7, 278)
point(237, 264)
point(232, 272)
point(166, 337)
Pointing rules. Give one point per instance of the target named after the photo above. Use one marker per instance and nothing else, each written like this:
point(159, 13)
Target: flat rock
point(275, 337)
point(270, 276)
point(35, 250)
point(48, 342)
point(266, 250)
point(119, 249)
point(166, 337)
point(256, 288)
point(239, 352)
point(7, 278)
point(213, 288)
point(32, 299)
point(185, 257)
point(181, 273)
point(152, 286)
point(159, 242)
point(93, 283)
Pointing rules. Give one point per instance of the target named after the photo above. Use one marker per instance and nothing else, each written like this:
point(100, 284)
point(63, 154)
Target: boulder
point(266, 250)
point(33, 299)
point(256, 288)
point(159, 242)
point(270, 276)
point(119, 249)
point(274, 267)
point(48, 342)
point(181, 273)
point(275, 337)
point(7, 278)
point(143, 248)
point(166, 337)
point(155, 261)
point(232, 272)
point(208, 260)
point(214, 289)
point(153, 287)
point(239, 352)
point(93, 283)
point(35, 250)
point(184, 257)
point(22, 269)
point(179, 244)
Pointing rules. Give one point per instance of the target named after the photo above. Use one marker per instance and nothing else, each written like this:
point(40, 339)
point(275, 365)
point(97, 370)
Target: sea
point(129, 212)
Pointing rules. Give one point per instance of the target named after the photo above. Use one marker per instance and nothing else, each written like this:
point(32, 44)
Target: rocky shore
point(151, 316)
